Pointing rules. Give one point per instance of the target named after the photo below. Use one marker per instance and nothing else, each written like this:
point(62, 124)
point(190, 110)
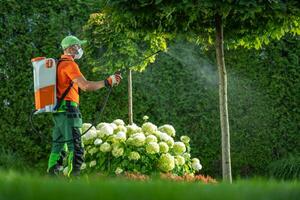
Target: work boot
point(55, 170)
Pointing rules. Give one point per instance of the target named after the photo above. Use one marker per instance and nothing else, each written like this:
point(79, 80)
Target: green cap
point(71, 40)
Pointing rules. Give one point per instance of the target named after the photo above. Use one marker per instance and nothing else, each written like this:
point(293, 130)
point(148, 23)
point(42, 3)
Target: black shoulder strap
point(59, 100)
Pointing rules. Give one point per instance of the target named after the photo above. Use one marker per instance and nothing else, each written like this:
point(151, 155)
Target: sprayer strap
point(63, 96)
point(59, 100)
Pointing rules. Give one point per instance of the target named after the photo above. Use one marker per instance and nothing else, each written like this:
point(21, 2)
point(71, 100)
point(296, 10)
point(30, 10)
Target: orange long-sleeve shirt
point(68, 70)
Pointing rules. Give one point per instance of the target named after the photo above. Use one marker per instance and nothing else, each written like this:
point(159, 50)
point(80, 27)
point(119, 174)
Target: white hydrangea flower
point(119, 122)
point(112, 139)
point(85, 126)
point(118, 171)
point(100, 134)
point(166, 162)
point(83, 166)
point(121, 136)
point(196, 164)
point(149, 128)
point(129, 141)
point(195, 160)
point(157, 134)
point(179, 148)
point(90, 135)
point(120, 128)
point(169, 129)
point(131, 129)
point(163, 147)
point(152, 148)
point(117, 151)
point(137, 139)
point(170, 142)
point(105, 147)
point(145, 118)
point(186, 156)
point(106, 130)
point(113, 125)
point(179, 160)
point(185, 139)
point(93, 163)
point(97, 142)
point(101, 124)
point(163, 136)
point(134, 155)
point(93, 150)
point(151, 138)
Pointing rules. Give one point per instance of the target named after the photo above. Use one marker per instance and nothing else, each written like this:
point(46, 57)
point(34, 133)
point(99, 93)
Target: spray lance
point(101, 106)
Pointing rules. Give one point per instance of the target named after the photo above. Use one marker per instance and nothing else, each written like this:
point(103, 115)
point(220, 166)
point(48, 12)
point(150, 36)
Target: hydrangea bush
point(115, 148)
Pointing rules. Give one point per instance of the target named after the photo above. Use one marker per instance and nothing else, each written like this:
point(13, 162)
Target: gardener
point(68, 118)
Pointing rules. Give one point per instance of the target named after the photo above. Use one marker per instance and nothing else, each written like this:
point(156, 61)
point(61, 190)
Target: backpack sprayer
point(45, 81)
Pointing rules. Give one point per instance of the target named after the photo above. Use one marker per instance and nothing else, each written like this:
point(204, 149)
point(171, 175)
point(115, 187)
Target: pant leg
point(62, 156)
point(75, 147)
point(55, 156)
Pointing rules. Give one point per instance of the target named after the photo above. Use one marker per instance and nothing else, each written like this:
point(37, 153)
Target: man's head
point(72, 46)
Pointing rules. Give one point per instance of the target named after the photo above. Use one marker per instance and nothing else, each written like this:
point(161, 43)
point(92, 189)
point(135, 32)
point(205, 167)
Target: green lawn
point(18, 186)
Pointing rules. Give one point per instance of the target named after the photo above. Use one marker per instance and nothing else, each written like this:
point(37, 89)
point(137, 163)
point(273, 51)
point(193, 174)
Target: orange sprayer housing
point(44, 73)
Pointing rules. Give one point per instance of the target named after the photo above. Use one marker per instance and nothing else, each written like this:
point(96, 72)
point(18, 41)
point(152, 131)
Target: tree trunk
point(226, 161)
point(130, 114)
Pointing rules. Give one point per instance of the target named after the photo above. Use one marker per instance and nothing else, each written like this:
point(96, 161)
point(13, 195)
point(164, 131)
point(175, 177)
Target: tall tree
point(247, 23)
point(130, 106)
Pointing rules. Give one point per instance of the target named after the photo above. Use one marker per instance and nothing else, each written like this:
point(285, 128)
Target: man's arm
point(86, 85)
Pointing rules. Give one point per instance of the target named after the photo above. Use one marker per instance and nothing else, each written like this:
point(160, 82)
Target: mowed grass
point(19, 186)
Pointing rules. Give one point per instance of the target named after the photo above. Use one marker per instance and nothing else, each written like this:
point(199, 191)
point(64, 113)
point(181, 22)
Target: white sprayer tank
point(44, 73)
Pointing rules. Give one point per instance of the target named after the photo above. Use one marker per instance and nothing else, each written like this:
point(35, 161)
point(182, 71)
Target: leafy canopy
point(248, 23)
point(126, 30)
point(113, 45)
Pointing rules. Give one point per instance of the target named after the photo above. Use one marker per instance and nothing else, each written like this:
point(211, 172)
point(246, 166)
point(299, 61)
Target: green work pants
point(67, 130)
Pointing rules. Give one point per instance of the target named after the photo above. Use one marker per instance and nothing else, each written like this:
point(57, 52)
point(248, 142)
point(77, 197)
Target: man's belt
point(66, 104)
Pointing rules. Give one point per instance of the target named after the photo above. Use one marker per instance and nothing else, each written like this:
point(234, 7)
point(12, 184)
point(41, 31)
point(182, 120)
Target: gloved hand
point(113, 80)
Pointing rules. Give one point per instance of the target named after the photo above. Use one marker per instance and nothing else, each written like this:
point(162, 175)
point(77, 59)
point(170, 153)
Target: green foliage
point(286, 168)
point(113, 46)
point(247, 23)
point(10, 160)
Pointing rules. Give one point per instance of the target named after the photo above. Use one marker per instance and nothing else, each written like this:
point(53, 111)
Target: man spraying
point(67, 119)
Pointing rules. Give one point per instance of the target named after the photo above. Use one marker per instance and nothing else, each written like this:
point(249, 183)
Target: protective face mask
point(79, 54)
